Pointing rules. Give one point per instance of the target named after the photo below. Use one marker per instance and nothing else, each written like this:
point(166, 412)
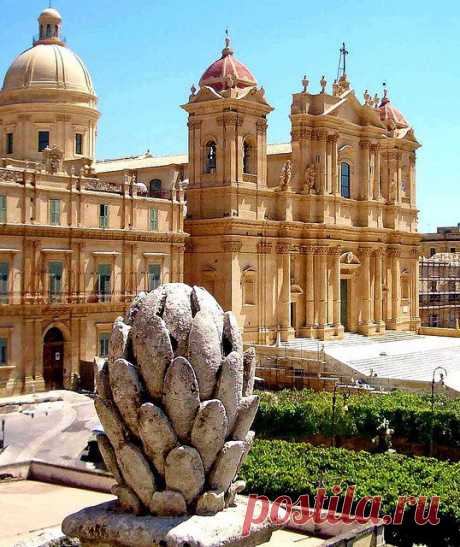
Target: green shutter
point(55, 211)
point(55, 280)
point(103, 215)
point(4, 270)
point(154, 276)
point(2, 209)
point(104, 339)
point(3, 351)
point(154, 219)
point(104, 274)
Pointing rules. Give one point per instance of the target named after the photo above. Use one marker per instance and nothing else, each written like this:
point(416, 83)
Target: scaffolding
point(439, 295)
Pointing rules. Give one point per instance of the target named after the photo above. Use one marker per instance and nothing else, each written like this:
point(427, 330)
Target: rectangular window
point(432, 251)
point(4, 271)
point(43, 140)
point(104, 339)
point(3, 351)
point(9, 143)
point(55, 281)
point(154, 276)
point(104, 274)
point(78, 144)
point(55, 211)
point(103, 215)
point(2, 209)
point(154, 219)
point(453, 250)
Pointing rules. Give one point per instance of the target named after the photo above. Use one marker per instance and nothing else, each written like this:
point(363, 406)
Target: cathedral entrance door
point(344, 303)
point(53, 359)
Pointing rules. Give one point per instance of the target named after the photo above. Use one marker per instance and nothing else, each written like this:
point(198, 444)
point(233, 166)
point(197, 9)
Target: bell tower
point(227, 138)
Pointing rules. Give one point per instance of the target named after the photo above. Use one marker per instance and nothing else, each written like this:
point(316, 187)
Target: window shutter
point(154, 219)
point(2, 208)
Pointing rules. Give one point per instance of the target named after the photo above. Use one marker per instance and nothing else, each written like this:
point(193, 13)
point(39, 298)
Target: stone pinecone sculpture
point(176, 404)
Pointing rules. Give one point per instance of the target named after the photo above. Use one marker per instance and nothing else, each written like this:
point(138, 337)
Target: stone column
point(412, 185)
point(336, 254)
point(378, 289)
point(364, 169)
point(415, 286)
point(322, 137)
point(309, 288)
point(398, 157)
point(376, 190)
point(232, 276)
point(284, 302)
point(322, 271)
point(365, 253)
point(395, 285)
point(334, 166)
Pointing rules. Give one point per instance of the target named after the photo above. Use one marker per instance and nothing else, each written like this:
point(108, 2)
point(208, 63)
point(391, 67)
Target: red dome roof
point(390, 114)
point(227, 72)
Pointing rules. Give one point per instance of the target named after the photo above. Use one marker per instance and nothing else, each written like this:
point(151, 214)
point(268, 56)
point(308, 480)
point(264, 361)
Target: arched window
point(48, 31)
point(345, 180)
point(248, 159)
point(211, 153)
point(155, 188)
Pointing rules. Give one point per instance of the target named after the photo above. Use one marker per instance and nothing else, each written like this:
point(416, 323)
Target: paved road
point(55, 431)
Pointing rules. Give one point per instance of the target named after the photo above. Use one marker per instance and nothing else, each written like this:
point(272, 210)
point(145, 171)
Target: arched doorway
point(53, 359)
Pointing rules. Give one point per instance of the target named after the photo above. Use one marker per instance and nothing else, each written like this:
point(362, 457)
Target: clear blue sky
point(144, 55)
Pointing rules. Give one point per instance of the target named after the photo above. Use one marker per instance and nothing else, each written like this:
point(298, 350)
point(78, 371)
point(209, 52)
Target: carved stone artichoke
point(176, 404)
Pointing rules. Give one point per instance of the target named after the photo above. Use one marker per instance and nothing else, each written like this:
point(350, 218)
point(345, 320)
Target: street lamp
point(442, 372)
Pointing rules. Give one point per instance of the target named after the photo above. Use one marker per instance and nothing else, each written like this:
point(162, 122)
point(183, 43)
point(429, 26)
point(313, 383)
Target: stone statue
point(285, 175)
point(384, 437)
point(176, 404)
point(309, 179)
point(52, 159)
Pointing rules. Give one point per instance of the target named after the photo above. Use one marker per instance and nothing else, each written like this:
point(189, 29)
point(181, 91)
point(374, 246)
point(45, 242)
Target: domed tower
point(48, 99)
point(227, 137)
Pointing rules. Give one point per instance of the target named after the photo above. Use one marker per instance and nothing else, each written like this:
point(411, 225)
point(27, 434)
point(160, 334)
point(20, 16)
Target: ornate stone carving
point(264, 247)
point(102, 186)
point(52, 159)
point(261, 126)
point(232, 246)
point(283, 247)
point(285, 175)
point(309, 179)
point(174, 448)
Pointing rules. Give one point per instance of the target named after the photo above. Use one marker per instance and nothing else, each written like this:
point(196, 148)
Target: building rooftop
point(146, 161)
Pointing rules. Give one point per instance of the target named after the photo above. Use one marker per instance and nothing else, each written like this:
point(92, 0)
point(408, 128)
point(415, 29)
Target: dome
point(390, 114)
point(227, 72)
point(50, 14)
point(48, 66)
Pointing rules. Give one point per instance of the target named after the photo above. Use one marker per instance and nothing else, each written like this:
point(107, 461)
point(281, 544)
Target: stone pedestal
point(105, 526)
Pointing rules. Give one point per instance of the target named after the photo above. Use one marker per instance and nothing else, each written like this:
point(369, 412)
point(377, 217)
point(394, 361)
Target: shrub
point(277, 467)
point(300, 414)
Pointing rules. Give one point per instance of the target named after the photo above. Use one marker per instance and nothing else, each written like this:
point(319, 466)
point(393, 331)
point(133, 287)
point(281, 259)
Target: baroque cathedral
point(310, 238)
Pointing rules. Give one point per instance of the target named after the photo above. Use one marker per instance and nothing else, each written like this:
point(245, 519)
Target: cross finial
point(342, 70)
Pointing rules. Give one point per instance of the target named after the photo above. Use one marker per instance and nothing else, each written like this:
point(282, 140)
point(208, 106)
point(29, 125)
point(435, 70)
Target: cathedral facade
point(310, 238)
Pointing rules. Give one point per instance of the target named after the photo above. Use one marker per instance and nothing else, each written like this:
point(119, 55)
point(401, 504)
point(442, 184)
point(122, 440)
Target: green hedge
point(299, 414)
point(277, 467)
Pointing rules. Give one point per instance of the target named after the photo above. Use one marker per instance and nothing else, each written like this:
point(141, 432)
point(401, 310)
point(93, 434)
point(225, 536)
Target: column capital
point(232, 246)
point(193, 123)
point(394, 252)
point(261, 125)
point(375, 147)
point(322, 251)
point(379, 251)
point(364, 144)
point(333, 137)
point(336, 251)
point(307, 249)
point(365, 251)
point(264, 247)
point(283, 247)
point(415, 252)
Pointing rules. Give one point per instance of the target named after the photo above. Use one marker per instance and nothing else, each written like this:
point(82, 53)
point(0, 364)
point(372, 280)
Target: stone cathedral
point(309, 238)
